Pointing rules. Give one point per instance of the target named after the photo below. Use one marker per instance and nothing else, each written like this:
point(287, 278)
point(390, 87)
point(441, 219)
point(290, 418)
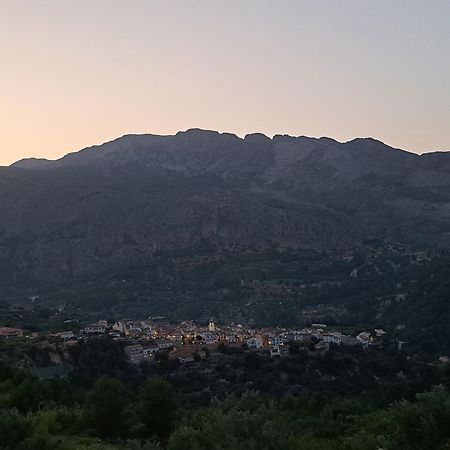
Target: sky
point(75, 73)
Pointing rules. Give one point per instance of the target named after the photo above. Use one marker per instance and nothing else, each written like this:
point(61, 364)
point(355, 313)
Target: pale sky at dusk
point(80, 72)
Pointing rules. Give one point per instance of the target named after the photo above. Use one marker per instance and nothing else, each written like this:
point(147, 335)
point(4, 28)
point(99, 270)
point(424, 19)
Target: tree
point(158, 408)
point(27, 396)
point(14, 428)
point(105, 406)
point(294, 348)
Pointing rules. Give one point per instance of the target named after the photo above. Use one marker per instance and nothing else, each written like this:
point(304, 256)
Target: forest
point(368, 400)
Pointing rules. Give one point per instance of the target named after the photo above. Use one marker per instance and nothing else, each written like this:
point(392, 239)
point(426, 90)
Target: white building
point(276, 340)
point(275, 351)
point(209, 338)
point(95, 328)
point(66, 335)
point(134, 353)
point(119, 326)
point(255, 343)
point(147, 352)
point(364, 338)
point(164, 345)
point(332, 338)
point(186, 359)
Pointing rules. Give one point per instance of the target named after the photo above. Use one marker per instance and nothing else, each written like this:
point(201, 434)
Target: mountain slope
point(120, 203)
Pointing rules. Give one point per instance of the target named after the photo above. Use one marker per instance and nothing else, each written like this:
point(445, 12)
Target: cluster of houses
point(187, 340)
point(316, 334)
point(8, 332)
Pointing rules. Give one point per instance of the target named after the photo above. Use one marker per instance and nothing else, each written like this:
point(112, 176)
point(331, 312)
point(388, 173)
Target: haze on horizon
point(78, 73)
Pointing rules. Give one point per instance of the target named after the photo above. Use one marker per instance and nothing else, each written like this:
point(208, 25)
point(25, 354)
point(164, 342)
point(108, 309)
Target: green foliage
point(157, 409)
point(27, 396)
point(14, 428)
point(100, 357)
point(347, 424)
point(147, 415)
point(420, 425)
point(105, 408)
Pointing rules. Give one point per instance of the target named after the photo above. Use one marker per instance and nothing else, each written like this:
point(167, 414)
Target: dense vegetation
point(344, 399)
point(365, 400)
point(273, 287)
point(269, 286)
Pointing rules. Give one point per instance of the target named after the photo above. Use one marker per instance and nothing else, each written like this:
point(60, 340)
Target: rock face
point(119, 203)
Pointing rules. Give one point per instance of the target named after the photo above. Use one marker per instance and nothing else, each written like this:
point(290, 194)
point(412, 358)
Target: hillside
point(208, 207)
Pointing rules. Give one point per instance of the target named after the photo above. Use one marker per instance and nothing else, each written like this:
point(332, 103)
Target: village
point(146, 340)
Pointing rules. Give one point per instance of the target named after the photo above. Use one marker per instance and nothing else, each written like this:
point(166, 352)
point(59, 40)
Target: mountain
point(124, 204)
point(203, 224)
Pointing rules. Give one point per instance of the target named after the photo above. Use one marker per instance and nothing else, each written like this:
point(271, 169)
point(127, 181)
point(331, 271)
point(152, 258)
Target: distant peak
point(197, 132)
point(370, 140)
point(257, 137)
point(284, 138)
point(370, 143)
point(201, 134)
point(329, 139)
point(32, 163)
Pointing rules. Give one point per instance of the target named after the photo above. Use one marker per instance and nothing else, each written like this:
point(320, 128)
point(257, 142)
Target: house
point(8, 332)
point(364, 338)
point(96, 328)
point(297, 336)
point(149, 351)
point(184, 355)
point(275, 351)
point(175, 336)
point(209, 338)
point(316, 332)
point(133, 332)
point(332, 338)
point(276, 341)
point(189, 325)
point(66, 335)
point(254, 343)
point(134, 353)
point(164, 344)
point(133, 329)
point(186, 359)
point(119, 326)
point(114, 334)
point(349, 340)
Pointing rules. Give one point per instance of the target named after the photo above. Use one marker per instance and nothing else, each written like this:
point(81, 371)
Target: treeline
point(55, 414)
point(60, 414)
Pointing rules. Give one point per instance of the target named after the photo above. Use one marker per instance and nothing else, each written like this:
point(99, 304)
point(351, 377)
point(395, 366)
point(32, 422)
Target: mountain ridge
point(118, 203)
point(37, 162)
